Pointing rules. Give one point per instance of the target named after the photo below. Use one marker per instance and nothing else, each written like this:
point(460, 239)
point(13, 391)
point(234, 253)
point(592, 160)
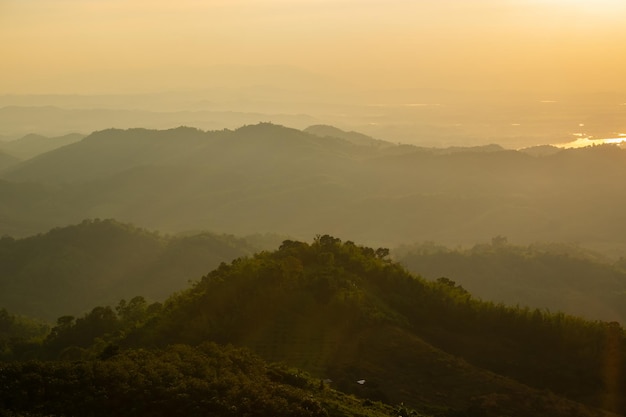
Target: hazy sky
point(100, 46)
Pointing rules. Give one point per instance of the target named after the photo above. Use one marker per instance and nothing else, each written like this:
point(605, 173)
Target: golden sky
point(117, 46)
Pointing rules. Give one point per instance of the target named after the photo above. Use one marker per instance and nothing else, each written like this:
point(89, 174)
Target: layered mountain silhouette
point(32, 145)
point(105, 261)
point(268, 178)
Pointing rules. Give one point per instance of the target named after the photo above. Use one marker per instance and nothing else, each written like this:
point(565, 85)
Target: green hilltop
point(346, 313)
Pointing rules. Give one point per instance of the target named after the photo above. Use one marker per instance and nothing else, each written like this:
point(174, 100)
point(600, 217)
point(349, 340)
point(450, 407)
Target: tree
point(499, 241)
point(382, 253)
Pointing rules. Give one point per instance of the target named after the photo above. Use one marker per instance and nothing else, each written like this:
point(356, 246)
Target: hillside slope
point(177, 381)
point(32, 145)
point(267, 178)
point(68, 270)
point(7, 160)
point(556, 277)
point(345, 312)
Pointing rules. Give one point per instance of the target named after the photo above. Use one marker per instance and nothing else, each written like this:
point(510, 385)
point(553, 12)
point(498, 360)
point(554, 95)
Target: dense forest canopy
point(177, 381)
point(105, 261)
point(348, 313)
point(556, 277)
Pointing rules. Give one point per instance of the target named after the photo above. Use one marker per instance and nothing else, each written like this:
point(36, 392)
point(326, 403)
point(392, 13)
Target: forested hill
point(269, 178)
point(264, 147)
point(68, 270)
point(557, 277)
point(347, 313)
point(179, 381)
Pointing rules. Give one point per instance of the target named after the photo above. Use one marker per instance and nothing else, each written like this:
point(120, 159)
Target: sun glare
point(584, 142)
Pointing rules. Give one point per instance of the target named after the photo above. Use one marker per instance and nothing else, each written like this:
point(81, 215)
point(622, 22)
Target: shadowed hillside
point(345, 312)
point(267, 178)
point(7, 160)
point(69, 270)
point(177, 381)
point(556, 277)
point(353, 137)
point(33, 145)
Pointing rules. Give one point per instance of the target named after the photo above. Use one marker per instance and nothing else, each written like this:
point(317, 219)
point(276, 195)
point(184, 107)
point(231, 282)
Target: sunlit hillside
point(349, 316)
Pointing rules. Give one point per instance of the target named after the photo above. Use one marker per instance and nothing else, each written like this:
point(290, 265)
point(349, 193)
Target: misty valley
point(312, 208)
point(265, 270)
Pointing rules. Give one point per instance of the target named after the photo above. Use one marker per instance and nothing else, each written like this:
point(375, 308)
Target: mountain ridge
point(33, 144)
point(268, 178)
point(345, 312)
point(70, 269)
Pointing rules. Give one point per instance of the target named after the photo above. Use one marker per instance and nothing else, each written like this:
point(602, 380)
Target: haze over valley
point(422, 117)
point(313, 208)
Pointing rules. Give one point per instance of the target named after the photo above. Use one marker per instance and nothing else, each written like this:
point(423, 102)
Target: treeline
point(341, 310)
point(14, 326)
point(555, 277)
point(565, 354)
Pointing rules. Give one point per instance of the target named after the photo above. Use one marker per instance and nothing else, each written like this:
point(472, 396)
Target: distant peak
point(351, 136)
point(262, 126)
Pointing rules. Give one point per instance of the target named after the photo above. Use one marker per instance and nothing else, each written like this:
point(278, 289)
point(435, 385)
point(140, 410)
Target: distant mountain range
point(32, 145)
point(425, 117)
point(268, 178)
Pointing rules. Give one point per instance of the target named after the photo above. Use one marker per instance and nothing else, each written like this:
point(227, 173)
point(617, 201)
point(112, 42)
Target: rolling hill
point(553, 277)
point(268, 178)
point(346, 313)
point(68, 270)
point(33, 144)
